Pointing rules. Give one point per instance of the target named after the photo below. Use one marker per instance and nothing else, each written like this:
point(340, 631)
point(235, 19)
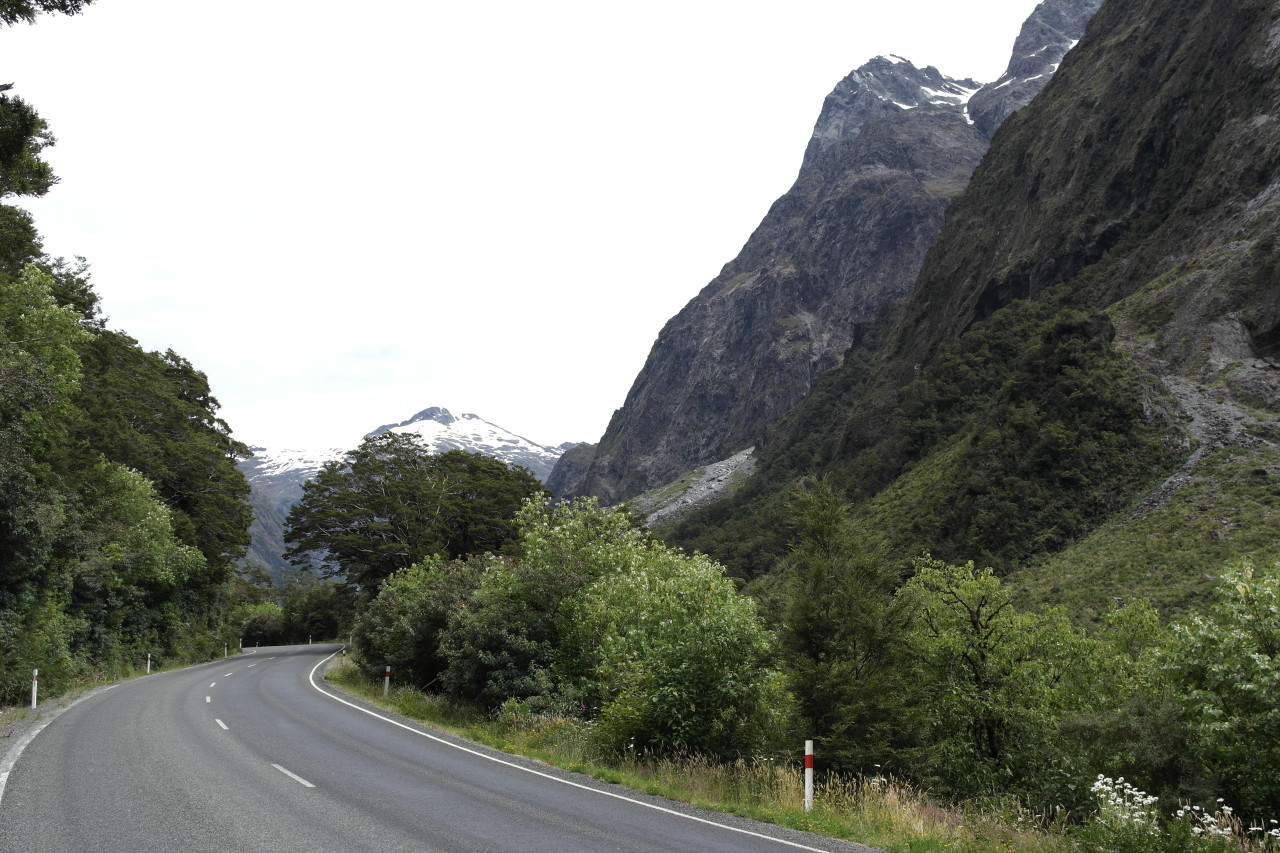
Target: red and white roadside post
point(35, 682)
point(386, 682)
point(808, 775)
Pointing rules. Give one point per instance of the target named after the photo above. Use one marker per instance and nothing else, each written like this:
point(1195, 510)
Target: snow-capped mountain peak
point(440, 430)
point(276, 475)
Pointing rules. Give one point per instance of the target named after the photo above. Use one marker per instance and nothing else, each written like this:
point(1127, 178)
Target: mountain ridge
point(1092, 340)
point(893, 144)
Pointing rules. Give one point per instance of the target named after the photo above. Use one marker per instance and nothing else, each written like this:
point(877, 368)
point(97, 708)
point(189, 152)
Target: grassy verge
point(883, 813)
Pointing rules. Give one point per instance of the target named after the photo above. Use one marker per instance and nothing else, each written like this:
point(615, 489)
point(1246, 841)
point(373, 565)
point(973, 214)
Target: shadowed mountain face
point(892, 146)
point(1095, 334)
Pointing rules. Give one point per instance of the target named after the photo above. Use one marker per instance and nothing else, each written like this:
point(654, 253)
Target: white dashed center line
point(294, 776)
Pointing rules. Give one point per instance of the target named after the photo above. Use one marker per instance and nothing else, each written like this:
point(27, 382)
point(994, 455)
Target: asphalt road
point(257, 754)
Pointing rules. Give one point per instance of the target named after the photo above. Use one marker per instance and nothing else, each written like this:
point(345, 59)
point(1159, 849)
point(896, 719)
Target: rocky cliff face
point(1118, 248)
point(892, 146)
point(1046, 36)
point(1145, 178)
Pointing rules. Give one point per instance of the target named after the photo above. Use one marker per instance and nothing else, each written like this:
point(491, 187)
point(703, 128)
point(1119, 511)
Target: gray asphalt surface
point(258, 754)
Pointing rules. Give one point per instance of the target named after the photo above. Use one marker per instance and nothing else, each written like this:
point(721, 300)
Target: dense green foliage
point(928, 671)
point(390, 503)
point(1226, 663)
point(995, 684)
point(842, 633)
point(100, 566)
point(1017, 440)
point(595, 619)
point(121, 509)
point(153, 412)
point(945, 680)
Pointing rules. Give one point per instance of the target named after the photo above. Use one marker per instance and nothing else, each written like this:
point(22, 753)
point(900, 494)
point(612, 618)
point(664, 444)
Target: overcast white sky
point(344, 213)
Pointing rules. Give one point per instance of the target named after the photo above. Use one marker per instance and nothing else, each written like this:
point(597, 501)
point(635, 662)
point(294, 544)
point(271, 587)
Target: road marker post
point(386, 682)
point(808, 775)
point(35, 681)
point(148, 663)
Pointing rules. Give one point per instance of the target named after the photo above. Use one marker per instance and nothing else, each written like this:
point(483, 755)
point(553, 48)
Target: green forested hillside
point(1093, 329)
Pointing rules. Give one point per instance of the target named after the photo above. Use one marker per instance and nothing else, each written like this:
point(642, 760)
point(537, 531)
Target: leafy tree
point(1226, 665)
point(1135, 729)
point(154, 412)
point(71, 287)
point(261, 624)
point(19, 241)
point(132, 569)
point(23, 136)
point(390, 502)
point(501, 642)
point(39, 371)
point(403, 624)
point(315, 608)
point(506, 637)
point(679, 658)
point(843, 634)
point(996, 684)
point(660, 645)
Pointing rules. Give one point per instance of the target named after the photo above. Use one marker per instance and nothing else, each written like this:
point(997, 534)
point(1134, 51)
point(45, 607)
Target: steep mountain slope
point(1096, 328)
point(276, 476)
point(891, 147)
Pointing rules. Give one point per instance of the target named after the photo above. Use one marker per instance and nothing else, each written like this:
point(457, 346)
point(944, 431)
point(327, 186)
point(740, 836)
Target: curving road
point(257, 754)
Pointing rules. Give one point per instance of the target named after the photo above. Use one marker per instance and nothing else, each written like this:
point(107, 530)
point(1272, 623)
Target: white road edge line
point(15, 751)
point(294, 776)
point(514, 766)
point(224, 725)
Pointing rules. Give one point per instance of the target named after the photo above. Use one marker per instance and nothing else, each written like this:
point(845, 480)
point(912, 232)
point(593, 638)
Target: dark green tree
point(39, 369)
point(843, 634)
point(390, 502)
point(13, 11)
point(154, 413)
point(23, 136)
point(401, 627)
point(315, 608)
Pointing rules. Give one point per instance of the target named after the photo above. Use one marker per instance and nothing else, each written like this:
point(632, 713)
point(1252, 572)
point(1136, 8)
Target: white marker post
point(386, 682)
point(148, 663)
point(35, 682)
point(808, 775)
